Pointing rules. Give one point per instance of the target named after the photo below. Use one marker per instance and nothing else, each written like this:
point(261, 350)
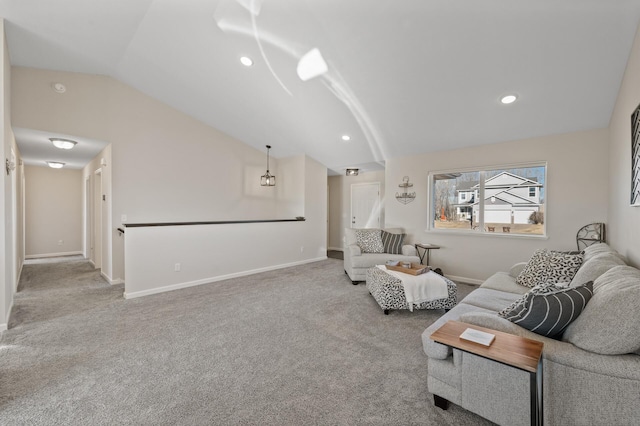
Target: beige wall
point(577, 175)
point(6, 293)
point(340, 203)
point(53, 213)
point(11, 228)
point(624, 221)
point(164, 166)
point(208, 253)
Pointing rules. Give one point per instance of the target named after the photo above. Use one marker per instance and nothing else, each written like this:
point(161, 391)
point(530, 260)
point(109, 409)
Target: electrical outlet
point(123, 218)
point(60, 242)
point(301, 249)
point(177, 267)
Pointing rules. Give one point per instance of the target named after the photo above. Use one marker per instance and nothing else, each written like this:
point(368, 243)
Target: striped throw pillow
point(548, 309)
point(392, 242)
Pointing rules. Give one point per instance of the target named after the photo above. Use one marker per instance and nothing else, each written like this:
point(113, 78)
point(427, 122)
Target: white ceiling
point(36, 148)
point(404, 77)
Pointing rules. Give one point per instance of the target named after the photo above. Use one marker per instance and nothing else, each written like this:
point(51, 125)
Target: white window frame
point(481, 229)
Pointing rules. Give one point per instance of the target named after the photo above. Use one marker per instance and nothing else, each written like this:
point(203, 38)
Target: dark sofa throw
point(392, 242)
point(549, 309)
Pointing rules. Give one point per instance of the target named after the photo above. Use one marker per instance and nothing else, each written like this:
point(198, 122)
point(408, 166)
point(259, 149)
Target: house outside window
point(495, 200)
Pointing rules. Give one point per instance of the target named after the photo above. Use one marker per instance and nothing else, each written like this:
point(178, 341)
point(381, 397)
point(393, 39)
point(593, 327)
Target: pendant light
point(268, 179)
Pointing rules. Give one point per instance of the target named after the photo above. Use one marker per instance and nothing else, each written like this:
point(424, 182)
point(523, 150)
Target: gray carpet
point(289, 347)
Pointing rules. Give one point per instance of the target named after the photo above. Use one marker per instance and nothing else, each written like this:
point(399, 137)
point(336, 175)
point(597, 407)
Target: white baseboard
point(5, 325)
point(15, 290)
point(61, 254)
point(210, 280)
point(110, 280)
point(335, 248)
point(464, 280)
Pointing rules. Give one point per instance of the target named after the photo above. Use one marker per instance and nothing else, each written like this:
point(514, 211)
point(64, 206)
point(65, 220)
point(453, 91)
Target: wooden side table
point(427, 248)
point(508, 349)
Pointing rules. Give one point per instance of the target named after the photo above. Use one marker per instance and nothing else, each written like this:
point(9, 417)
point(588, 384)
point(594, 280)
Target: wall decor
point(405, 197)
point(635, 157)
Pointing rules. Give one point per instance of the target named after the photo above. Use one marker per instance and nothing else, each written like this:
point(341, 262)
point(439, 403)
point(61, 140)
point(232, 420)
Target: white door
point(365, 205)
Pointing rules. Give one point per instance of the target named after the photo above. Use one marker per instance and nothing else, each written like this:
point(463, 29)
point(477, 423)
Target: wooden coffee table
point(508, 349)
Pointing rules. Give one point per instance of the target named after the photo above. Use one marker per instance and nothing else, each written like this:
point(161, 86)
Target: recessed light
point(508, 99)
point(63, 143)
point(55, 164)
point(352, 172)
point(59, 87)
point(346, 138)
point(246, 61)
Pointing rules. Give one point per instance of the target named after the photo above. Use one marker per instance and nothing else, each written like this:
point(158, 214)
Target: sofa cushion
point(503, 281)
point(548, 309)
point(489, 299)
point(595, 266)
point(392, 242)
point(369, 240)
point(600, 248)
point(610, 323)
point(549, 267)
point(367, 260)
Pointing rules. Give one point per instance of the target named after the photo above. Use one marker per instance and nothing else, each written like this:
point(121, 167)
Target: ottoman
point(388, 291)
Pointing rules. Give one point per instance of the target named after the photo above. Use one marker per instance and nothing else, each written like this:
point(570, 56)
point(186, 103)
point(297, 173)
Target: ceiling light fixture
point(59, 87)
point(346, 138)
point(246, 61)
point(268, 179)
point(352, 172)
point(63, 143)
point(508, 99)
point(55, 164)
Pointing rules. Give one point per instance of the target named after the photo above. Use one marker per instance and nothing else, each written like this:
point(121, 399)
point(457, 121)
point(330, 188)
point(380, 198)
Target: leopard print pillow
point(563, 266)
point(536, 270)
point(550, 267)
point(369, 240)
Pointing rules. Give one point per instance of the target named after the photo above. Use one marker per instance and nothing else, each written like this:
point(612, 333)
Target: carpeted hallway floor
point(295, 346)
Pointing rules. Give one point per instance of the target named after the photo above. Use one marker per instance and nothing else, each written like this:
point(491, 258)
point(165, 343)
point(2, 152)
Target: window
point(497, 200)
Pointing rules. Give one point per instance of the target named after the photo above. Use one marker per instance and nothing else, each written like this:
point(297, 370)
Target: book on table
point(478, 336)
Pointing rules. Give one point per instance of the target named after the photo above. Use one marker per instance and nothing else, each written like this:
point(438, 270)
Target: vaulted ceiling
point(402, 77)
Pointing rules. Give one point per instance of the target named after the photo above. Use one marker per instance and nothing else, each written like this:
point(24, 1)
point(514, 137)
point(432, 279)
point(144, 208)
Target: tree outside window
point(505, 200)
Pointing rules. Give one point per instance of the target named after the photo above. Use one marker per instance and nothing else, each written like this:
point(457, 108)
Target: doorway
point(365, 205)
point(96, 246)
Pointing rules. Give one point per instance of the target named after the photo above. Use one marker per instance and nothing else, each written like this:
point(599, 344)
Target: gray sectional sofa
point(591, 375)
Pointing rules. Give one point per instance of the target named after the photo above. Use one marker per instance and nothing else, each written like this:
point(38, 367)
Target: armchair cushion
point(392, 242)
point(370, 240)
point(354, 250)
